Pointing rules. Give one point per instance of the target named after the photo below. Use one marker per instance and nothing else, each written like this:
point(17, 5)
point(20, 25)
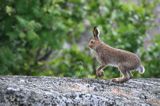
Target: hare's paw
point(120, 80)
point(115, 80)
point(99, 73)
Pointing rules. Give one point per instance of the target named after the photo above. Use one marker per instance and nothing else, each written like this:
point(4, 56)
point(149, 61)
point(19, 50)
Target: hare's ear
point(96, 33)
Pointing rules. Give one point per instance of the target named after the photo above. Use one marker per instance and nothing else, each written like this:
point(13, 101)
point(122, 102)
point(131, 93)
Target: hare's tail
point(141, 69)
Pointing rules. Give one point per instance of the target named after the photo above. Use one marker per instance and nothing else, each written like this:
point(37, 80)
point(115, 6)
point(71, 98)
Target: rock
point(52, 91)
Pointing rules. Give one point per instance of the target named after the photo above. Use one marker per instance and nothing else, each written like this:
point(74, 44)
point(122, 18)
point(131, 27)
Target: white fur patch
point(94, 54)
point(113, 65)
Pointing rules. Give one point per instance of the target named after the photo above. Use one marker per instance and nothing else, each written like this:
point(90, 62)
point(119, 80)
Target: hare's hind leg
point(122, 79)
point(126, 75)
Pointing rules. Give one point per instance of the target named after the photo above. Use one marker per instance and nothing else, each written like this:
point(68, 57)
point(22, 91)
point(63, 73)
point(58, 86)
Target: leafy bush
point(71, 63)
point(32, 34)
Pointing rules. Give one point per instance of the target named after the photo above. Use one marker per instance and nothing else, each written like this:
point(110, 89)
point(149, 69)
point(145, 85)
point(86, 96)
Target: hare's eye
point(92, 41)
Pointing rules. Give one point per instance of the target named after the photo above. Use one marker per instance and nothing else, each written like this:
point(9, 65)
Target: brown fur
point(125, 61)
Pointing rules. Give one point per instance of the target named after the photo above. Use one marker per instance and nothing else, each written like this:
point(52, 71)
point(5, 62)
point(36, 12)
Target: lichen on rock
point(53, 91)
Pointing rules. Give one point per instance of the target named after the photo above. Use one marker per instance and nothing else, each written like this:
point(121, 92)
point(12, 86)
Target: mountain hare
point(108, 56)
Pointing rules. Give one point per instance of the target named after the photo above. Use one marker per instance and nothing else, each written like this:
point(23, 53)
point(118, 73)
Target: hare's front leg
point(126, 75)
point(99, 71)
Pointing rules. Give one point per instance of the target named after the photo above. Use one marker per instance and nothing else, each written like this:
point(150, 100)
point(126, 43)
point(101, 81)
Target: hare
point(108, 56)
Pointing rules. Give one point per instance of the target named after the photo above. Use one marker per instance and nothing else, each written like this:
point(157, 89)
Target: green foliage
point(66, 65)
point(151, 58)
point(32, 34)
